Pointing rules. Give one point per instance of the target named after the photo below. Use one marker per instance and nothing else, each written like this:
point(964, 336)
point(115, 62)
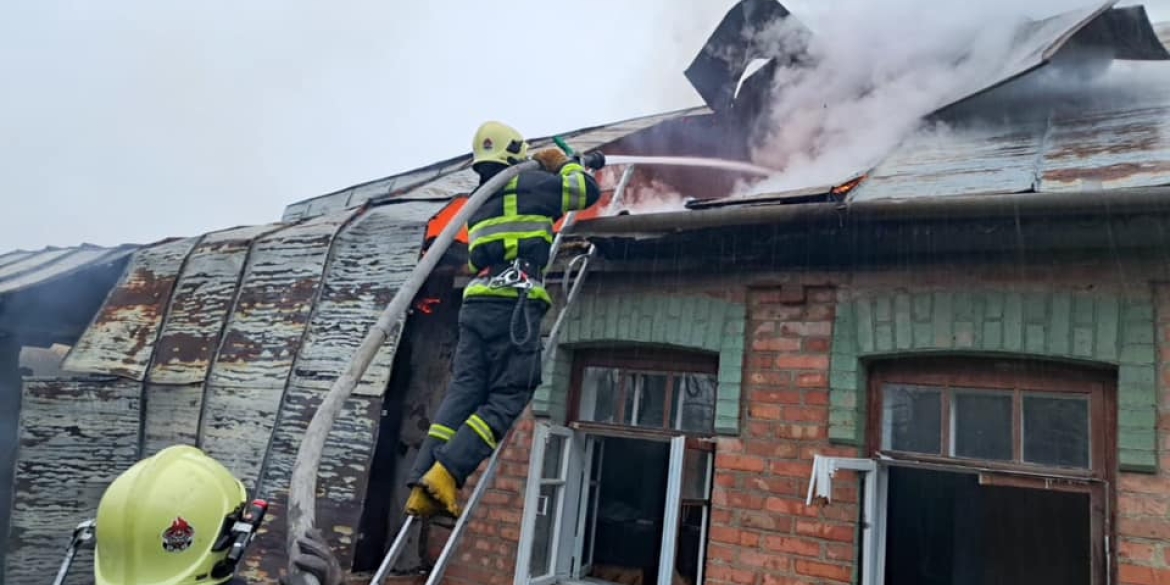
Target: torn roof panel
point(23, 269)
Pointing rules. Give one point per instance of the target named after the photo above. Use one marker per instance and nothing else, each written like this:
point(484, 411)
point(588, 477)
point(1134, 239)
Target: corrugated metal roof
point(22, 269)
point(446, 179)
point(214, 340)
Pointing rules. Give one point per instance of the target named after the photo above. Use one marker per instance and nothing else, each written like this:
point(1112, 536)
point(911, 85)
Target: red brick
point(840, 573)
point(1153, 529)
point(1143, 484)
point(803, 362)
point(766, 521)
point(720, 552)
point(504, 515)
point(840, 552)
point(821, 529)
point(766, 561)
point(1134, 575)
point(765, 411)
point(744, 500)
point(806, 414)
point(759, 397)
point(812, 380)
point(790, 506)
point(816, 398)
point(495, 498)
point(1143, 505)
point(805, 431)
point(795, 546)
point(759, 361)
point(776, 344)
point(817, 344)
point(1133, 551)
point(720, 516)
point(725, 534)
point(727, 480)
point(770, 579)
point(774, 449)
point(731, 575)
point(792, 468)
point(769, 378)
point(760, 430)
point(740, 463)
point(822, 294)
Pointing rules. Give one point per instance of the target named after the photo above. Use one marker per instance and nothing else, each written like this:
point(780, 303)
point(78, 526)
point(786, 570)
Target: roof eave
point(989, 205)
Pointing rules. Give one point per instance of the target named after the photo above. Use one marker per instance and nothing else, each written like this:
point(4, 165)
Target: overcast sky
point(134, 120)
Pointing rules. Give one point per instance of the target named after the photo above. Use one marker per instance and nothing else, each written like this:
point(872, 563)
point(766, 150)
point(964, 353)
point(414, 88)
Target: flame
point(427, 306)
point(846, 187)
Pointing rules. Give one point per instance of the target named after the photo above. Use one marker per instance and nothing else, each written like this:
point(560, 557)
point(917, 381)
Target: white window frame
point(873, 520)
point(568, 562)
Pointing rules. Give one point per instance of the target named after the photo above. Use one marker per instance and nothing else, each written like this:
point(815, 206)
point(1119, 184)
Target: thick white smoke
point(879, 68)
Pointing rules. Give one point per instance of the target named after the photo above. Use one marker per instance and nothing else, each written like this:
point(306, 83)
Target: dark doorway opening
point(946, 528)
point(630, 507)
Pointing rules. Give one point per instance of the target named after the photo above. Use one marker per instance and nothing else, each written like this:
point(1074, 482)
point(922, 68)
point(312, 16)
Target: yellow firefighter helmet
point(497, 142)
point(165, 520)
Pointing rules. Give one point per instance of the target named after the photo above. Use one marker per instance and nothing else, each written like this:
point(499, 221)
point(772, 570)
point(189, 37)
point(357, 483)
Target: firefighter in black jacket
point(497, 360)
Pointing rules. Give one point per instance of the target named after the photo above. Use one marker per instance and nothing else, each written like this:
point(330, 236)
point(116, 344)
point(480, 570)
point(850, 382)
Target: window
point(1024, 421)
point(673, 392)
point(624, 492)
point(992, 467)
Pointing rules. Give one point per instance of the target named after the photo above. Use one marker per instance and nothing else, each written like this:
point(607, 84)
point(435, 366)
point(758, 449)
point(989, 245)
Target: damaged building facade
point(951, 368)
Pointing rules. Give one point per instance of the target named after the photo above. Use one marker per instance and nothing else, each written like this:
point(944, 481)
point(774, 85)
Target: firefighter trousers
point(492, 382)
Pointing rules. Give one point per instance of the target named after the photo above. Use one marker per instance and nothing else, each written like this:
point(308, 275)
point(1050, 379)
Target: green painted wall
point(1080, 326)
point(690, 322)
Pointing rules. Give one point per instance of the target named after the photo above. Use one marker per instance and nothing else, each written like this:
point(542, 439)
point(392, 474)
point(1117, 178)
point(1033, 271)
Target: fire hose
point(303, 481)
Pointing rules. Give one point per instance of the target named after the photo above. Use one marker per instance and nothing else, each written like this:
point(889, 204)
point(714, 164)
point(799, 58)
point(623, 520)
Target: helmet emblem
point(487, 144)
point(179, 536)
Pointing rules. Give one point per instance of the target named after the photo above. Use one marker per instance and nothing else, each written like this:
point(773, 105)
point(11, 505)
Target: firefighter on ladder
point(497, 360)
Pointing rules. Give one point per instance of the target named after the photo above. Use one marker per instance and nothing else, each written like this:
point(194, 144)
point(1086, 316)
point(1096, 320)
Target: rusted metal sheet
point(172, 416)
point(371, 258)
point(236, 426)
point(76, 436)
point(200, 305)
point(23, 270)
point(122, 337)
point(275, 300)
point(1111, 148)
point(341, 486)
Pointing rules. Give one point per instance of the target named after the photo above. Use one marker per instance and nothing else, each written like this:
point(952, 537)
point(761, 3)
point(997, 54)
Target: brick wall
point(1143, 501)
point(487, 553)
point(761, 531)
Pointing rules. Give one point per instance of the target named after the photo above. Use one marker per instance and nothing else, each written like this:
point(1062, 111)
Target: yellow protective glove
point(551, 159)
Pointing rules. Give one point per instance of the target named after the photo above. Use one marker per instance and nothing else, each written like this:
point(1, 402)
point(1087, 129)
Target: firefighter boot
point(440, 484)
point(421, 504)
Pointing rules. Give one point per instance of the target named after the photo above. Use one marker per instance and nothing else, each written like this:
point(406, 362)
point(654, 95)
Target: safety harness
point(515, 277)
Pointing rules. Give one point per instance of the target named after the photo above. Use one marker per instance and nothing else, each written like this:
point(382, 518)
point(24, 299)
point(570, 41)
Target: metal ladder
point(571, 285)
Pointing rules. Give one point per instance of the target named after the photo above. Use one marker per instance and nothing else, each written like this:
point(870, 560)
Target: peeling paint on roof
point(122, 337)
point(227, 341)
point(76, 436)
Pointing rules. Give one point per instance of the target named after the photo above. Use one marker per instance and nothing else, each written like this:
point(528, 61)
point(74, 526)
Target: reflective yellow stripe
point(542, 234)
point(482, 290)
point(581, 192)
point(511, 210)
point(482, 429)
point(573, 183)
point(441, 432)
point(489, 226)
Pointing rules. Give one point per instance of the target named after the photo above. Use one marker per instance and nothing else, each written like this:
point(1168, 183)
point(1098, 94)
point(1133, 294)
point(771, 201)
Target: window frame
point(655, 360)
point(1014, 377)
point(998, 374)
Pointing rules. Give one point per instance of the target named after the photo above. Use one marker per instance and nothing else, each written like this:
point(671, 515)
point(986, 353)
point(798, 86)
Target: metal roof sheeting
point(446, 179)
point(1073, 147)
point(212, 340)
point(22, 269)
